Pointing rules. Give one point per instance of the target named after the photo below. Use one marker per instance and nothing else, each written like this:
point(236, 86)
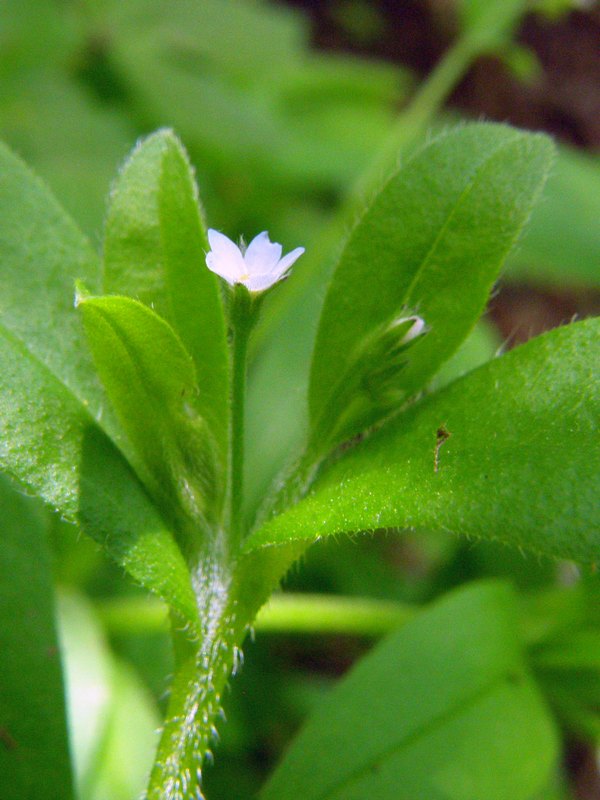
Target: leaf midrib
point(426, 258)
point(434, 723)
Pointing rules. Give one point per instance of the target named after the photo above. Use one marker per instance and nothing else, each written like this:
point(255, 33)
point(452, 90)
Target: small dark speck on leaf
point(7, 740)
point(514, 678)
point(441, 436)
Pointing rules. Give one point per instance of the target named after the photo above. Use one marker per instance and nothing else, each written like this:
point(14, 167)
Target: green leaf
point(113, 721)
point(562, 242)
point(431, 243)
point(151, 381)
point(200, 66)
point(577, 650)
point(34, 751)
point(444, 708)
point(52, 407)
point(43, 254)
point(154, 251)
point(507, 452)
point(50, 444)
point(481, 345)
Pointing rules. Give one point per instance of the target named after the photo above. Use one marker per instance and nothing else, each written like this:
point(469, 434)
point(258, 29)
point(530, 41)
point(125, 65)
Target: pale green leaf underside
point(34, 750)
point(154, 251)
point(151, 381)
point(443, 709)
point(521, 463)
point(431, 243)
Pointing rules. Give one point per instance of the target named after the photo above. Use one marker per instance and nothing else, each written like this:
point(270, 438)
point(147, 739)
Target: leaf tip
point(82, 293)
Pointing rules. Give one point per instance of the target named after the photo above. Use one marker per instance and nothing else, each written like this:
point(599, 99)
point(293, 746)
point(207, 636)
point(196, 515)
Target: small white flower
point(258, 267)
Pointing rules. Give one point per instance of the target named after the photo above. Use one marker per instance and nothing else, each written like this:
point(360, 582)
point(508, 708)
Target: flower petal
point(258, 283)
point(261, 255)
point(225, 257)
point(286, 262)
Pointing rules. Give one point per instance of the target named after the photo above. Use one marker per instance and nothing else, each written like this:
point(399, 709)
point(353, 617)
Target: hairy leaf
point(154, 251)
point(431, 243)
point(43, 254)
point(508, 452)
point(50, 444)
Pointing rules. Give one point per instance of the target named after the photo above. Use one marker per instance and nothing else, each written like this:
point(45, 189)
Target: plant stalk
point(242, 319)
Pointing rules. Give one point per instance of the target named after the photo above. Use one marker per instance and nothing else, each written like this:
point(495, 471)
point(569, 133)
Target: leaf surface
point(431, 243)
point(154, 251)
point(507, 452)
point(442, 709)
point(43, 254)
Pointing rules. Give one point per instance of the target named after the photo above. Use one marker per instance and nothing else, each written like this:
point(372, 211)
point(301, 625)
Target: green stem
point(284, 613)
point(324, 614)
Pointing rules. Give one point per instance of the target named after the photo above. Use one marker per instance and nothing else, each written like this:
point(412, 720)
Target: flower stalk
point(250, 272)
point(243, 316)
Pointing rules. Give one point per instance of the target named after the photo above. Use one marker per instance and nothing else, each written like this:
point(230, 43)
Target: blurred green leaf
point(34, 750)
point(112, 719)
point(88, 681)
point(506, 453)
point(74, 143)
point(561, 246)
point(443, 708)
point(431, 243)
point(193, 66)
point(130, 740)
point(34, 32)
point(151, 381)
point(556, 8)
point(578, 650)
point(154, 251)
point(254, 106)
point(480, 346)
point(568, 668)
